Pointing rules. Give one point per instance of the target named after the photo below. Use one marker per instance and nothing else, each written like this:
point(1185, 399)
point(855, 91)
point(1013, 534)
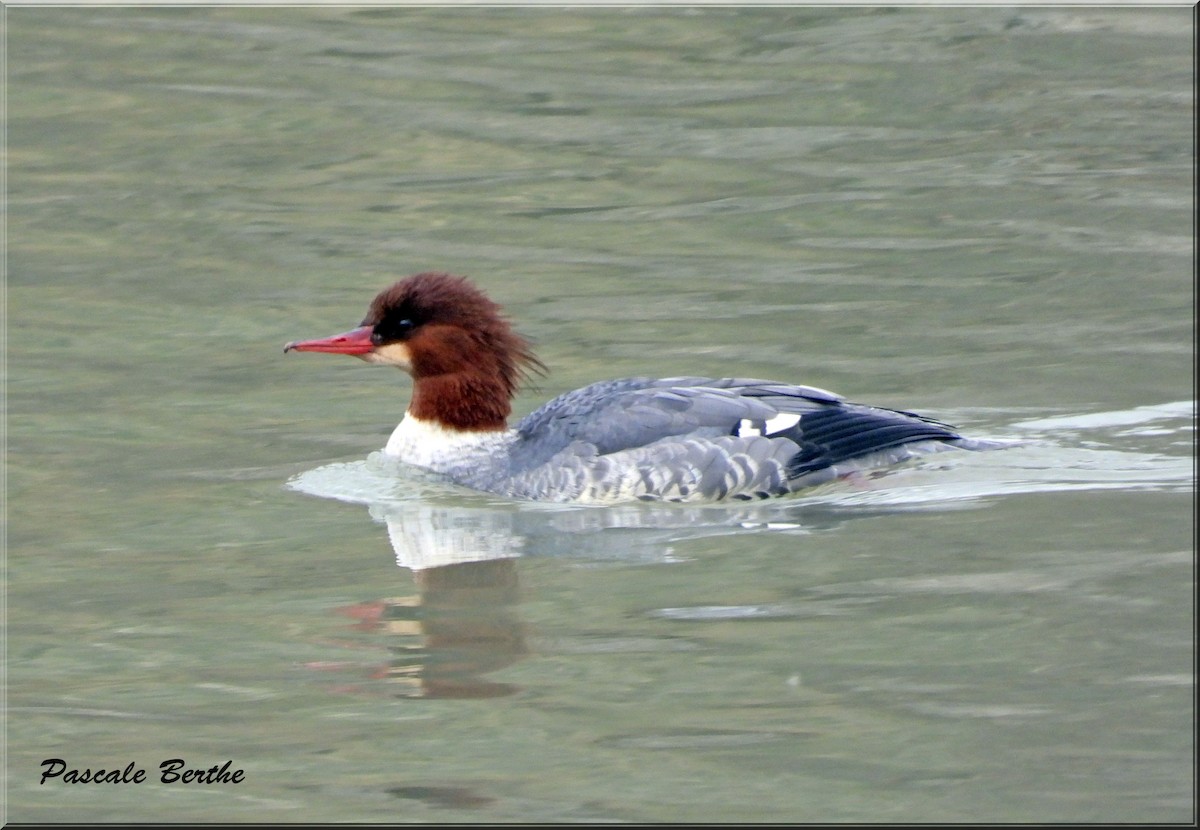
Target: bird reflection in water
point(461, 625)
point(464, 621)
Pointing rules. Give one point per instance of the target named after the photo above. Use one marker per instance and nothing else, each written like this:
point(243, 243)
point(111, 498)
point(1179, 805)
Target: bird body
point(684, 439)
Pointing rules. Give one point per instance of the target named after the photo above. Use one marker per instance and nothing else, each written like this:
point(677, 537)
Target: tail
point(844, 433)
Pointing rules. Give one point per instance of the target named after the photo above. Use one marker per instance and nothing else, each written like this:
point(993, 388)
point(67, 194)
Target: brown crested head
point(465, 359)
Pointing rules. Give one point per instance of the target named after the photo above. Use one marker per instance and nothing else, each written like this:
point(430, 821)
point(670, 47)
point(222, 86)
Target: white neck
point(439, 448)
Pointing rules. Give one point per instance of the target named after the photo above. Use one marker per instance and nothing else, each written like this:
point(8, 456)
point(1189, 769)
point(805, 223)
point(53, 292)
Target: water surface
point(984, 215)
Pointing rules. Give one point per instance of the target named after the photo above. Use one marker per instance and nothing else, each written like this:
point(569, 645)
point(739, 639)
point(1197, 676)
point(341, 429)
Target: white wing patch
point(747, 427)
point(783, 421)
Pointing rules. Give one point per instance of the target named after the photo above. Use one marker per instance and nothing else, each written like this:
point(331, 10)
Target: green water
point(980, 214)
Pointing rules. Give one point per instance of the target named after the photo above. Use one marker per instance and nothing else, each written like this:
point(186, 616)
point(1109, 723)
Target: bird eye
point(390, 330)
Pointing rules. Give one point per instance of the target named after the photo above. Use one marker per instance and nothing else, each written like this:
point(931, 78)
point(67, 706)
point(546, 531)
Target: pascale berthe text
point(171, 771)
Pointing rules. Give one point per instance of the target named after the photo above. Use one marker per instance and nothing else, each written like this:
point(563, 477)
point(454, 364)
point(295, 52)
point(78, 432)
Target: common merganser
point(681, 439)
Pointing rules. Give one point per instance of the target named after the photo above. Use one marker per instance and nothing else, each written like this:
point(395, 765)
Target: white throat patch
point(435, 447)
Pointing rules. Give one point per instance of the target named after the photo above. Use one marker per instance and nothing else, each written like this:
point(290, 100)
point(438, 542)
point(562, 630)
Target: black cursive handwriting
point(173, 771)
point(214, 775)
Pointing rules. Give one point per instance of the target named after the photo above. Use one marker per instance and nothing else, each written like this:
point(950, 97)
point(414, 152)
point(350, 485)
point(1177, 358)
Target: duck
point(674, 439)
